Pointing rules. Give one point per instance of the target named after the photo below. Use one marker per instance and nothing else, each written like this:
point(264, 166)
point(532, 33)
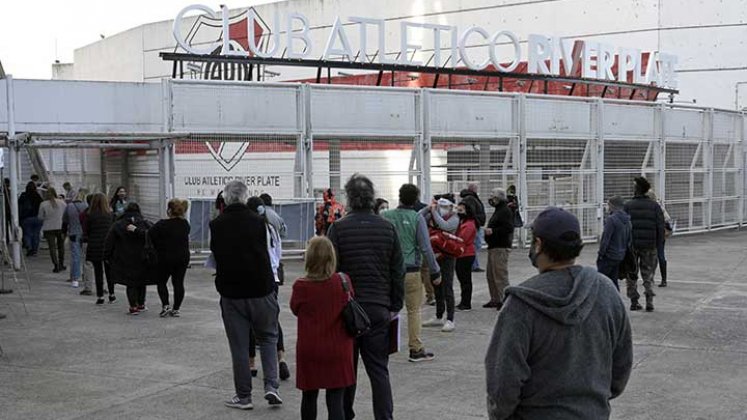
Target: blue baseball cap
point(557, 226)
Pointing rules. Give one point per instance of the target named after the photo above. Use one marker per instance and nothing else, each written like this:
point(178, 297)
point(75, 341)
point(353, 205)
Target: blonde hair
point(321, 260)
point(178, 207)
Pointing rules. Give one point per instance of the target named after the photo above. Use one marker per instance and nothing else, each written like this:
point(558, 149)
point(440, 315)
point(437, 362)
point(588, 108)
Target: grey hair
point(360, 193)
point(499, 193)
point(235, 192)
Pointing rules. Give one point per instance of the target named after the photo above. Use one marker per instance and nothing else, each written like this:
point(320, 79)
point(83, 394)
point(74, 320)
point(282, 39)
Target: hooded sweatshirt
point(561, 348)
point(616, 236)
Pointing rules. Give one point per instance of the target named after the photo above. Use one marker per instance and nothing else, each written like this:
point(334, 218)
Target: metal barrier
point(294, 141)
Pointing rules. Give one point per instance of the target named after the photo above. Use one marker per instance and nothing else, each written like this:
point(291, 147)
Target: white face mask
point(261, 210)
point(444, 211)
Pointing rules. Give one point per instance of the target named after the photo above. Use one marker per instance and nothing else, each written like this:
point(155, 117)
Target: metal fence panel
point(467, 115)
point(56, 106)
point(684, 124)
point(389, 163)
point(364, 112)
point(554, 118)
point(629, 121)
point(200, 107)
point(144, 180)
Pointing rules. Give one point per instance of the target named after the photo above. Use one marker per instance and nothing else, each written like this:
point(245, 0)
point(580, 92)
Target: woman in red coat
point(467, 230)
point(324, 350)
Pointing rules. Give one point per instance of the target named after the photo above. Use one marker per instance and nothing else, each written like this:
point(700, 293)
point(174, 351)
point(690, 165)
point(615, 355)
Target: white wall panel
point(74, 107)
point(455, 113)
point(707, 48)
point(342, 111)
point(680, 12)
point(558, 118)
point(235, 108)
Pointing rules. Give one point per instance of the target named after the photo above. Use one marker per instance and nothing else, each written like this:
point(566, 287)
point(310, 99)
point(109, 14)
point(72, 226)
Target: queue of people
point(371, 257)
point(109, 241)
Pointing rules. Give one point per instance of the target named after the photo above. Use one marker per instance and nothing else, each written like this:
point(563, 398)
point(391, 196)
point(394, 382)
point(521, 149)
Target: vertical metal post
point(164, 149)
point(660, 158)
point(419, 147)
point(299, 163)
point(599, 166)
point(14, 165)
point(741, 160)
point(425, 147)
point(308, 142)
point(163, 179)
point(708, 161)
point(520, 119)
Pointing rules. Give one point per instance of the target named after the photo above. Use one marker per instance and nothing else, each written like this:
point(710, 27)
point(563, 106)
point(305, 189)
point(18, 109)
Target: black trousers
point(136, 296)
point(100, 269)
point(609, 268)
point(373, 348)
point(56, 241)
point(445, 290)
point(176, 271)
point(335, 398)
point(464, 275)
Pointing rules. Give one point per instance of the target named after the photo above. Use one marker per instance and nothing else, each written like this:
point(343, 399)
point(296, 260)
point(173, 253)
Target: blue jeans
point(31, 233)
point(478, 246)
point(75, 257)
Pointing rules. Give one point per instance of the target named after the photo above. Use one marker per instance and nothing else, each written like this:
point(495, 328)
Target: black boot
point(649, 303)
point(663, 271)
point(634, 305)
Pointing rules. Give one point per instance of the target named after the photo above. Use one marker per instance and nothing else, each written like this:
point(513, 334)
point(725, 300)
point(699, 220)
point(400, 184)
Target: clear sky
point(35, 33)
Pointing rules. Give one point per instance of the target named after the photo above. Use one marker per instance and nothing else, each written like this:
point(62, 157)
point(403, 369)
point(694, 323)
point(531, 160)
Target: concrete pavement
point(70, 359)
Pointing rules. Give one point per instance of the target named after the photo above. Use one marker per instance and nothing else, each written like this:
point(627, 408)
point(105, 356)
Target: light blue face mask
point(261, 210)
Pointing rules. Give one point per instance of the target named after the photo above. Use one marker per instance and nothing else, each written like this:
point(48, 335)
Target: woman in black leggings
point(170, 238)
point(97, 222)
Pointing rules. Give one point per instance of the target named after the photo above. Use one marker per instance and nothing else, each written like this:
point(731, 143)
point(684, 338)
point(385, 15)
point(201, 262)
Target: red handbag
point(447, 243)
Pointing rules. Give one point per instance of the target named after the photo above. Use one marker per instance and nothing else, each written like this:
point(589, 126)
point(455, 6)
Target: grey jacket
point(276, 221)
point(561, 348)
point(616, 236)
point(71, 218)
point(451, 224)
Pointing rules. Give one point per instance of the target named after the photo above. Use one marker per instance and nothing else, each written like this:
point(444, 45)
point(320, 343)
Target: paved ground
point(68, 359)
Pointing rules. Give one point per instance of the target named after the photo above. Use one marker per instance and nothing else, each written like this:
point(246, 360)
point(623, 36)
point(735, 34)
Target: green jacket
point(413, 237)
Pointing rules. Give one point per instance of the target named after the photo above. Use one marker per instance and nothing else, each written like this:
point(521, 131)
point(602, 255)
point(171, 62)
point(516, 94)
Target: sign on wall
point(289, 36)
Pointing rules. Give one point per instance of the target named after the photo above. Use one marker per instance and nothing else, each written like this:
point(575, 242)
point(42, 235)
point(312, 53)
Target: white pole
point(13, 163)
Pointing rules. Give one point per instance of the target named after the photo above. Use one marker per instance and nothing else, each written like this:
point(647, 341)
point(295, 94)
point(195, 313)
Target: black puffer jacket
point(125, 251)
point(96, 228)
point(480, 215)
point(647, 220)
point(368, 250)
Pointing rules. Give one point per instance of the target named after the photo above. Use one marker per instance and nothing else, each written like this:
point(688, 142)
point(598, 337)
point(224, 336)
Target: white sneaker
point(448, 326)
point(433, 322)
point(75, 284)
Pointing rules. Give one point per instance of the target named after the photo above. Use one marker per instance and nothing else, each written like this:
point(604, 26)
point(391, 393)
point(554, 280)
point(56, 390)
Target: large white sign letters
point(546, 55)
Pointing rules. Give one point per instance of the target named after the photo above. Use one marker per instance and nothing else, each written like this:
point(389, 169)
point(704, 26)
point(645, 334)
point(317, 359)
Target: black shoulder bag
point(354, 316)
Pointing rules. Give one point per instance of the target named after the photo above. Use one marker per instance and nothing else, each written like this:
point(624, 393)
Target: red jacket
point(468, 231)
point(324, 350)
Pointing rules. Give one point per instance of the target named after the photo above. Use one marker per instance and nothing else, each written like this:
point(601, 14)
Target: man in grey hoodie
point(615, 241)
point(561, 347)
